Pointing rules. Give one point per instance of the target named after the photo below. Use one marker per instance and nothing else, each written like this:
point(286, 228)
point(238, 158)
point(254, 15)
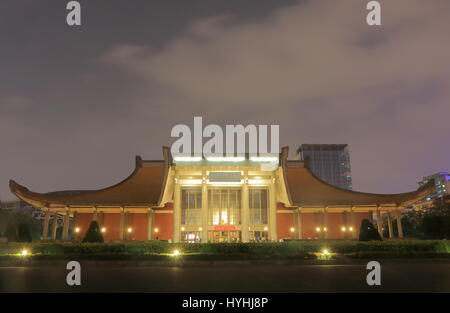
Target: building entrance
point(224, 236)
point(191, 237)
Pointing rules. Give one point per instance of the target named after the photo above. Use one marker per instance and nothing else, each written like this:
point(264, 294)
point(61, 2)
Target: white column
point(245, 211)
point(101, 219)
point(65, 234)
point(54, 226)
point(371, 216)
point(126, 223)
point(272, 211)
point(74, 224)
point(299, 223)
point(46, 222)
point(204, 232)
point(399, 224)
point(95, 214)
point(177, 211)
point(389, 221)
point(149, 224)
point(122, 224)
point(352, 222)
point(379, 222)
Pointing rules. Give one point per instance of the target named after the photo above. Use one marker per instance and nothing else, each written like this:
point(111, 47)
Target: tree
point(368, 232)
point(23, 233)
point(10, 233)
point(93, 234)
point(435, 222)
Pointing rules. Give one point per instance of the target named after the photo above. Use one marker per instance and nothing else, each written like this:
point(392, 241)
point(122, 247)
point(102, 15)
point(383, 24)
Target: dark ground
point(396, 276)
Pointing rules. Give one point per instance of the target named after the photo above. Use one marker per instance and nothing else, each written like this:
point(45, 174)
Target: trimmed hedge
point(259, 249)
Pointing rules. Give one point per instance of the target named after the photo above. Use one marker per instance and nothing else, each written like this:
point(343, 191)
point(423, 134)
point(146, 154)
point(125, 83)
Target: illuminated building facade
point(220, 200)
point(441, 190)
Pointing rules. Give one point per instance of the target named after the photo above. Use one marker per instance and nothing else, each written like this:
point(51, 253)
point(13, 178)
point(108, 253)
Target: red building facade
point(203, 200)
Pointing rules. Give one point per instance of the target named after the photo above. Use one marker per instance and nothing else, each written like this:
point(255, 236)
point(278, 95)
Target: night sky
point(78, 103)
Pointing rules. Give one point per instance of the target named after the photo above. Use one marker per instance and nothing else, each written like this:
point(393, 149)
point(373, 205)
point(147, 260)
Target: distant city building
point(19, 206)
point(441, 189)
point(329, 162)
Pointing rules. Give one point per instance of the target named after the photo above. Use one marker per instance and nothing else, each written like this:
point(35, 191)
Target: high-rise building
point(329, 162)
point(441, 185)
point(440, 190)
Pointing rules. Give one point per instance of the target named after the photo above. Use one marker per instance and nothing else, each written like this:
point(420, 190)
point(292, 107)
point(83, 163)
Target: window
point(258, 206)
point(191, 206)
point(224, 206)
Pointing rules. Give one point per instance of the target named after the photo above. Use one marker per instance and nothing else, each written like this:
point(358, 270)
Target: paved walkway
point(396, 276)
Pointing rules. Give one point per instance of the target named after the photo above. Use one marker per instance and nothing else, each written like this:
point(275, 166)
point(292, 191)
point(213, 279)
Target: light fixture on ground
point(175, 252)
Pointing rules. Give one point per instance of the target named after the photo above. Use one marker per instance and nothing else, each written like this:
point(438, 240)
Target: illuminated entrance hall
point(218, 200)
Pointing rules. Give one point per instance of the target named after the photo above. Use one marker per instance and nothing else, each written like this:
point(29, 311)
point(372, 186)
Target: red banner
point(224, 227)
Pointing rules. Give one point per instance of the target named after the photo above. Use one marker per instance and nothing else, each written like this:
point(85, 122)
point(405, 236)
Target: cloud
point(321, 72)
point(74, 119)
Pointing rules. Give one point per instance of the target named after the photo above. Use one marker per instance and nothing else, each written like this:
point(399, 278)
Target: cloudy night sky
point(78, 103)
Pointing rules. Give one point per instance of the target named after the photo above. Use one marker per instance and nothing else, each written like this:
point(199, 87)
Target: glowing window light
point(225, 159)
point(350, 228)
point(103, 229)
point(156, 230)
point(129, 229)
point(187, 159)
point(190, 182)
point(256, 182)
point(317, 229)
point(343, 228)
point(183, 228)
point(77, 229)
point(292, 229)
point(225, 183)
point(264, 159)
point(200, 228)
point(265, 228)
point(324, 229)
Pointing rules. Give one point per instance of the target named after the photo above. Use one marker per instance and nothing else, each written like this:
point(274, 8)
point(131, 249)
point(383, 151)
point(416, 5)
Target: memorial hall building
point(218, 200)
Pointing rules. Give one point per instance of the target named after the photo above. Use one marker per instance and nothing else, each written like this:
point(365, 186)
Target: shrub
point(11, 233)
point(436, 226)
point(93, 234)
point(23, 233)
point(368, 232)
point(258, 250)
